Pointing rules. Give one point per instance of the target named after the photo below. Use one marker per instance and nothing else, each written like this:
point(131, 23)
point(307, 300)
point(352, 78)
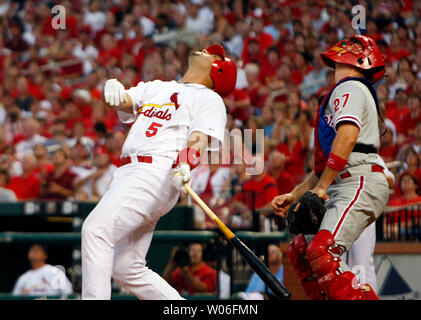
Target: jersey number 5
point(153, 129)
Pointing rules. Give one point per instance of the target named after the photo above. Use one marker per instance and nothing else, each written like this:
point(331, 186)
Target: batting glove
point(181, 175)
point(114, 92)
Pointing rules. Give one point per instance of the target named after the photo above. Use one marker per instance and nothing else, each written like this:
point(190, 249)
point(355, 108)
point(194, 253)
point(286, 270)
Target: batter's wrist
point(188, 156)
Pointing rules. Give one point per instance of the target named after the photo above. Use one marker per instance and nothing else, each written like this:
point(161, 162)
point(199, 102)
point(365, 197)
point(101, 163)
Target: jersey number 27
point(337, 102)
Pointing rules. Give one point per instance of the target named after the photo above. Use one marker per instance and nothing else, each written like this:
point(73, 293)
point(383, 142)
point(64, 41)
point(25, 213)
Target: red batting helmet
point(358, 51)
point(223, 72)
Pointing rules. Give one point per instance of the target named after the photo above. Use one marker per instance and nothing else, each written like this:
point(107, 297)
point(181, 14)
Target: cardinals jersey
point(166, 113)
point(47, 280)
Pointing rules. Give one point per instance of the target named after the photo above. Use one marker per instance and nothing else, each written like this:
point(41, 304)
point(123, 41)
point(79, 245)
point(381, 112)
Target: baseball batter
point(173, 122)
point(347, 170)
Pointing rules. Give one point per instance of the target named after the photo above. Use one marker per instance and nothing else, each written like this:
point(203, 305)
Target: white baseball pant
point(117, 234)
point(360, 257)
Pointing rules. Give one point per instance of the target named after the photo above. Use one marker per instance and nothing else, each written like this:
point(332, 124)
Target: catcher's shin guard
point(337, 284)
point(296, 255)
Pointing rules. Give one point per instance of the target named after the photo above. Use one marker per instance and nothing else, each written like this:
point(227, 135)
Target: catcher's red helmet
point(223, 72)
point(358, 51)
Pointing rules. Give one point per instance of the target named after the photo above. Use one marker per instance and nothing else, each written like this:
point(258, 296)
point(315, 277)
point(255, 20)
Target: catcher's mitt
point(309, 215)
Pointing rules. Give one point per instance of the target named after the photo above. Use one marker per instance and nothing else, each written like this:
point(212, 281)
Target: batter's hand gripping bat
point(262, 271)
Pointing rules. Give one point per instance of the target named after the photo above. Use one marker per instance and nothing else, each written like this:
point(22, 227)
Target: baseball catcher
point(347, 169)
point(172, 123)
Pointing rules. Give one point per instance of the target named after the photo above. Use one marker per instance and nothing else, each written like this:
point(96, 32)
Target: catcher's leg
point(323, 257)
point(296, 254)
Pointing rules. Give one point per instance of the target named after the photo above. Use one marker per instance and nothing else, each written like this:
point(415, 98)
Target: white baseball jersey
point(165, 113)
point(116, 235)
point(47, 280)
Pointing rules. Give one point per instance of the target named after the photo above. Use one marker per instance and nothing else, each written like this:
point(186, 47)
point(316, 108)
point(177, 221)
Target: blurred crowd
point(58, 141)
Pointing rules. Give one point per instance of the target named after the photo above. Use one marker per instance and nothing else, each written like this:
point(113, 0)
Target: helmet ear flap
point(224, 76)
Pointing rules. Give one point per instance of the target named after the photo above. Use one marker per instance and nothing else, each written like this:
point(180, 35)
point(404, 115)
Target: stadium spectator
point(8, 161)
point(270, 65)
point(256, 194)
point(212, 256)
point(295, 150)
point(86, 50)
point(6, 195)
point(94, 17)
point(413, 163)
point(193, 276)
point(44, 165)
point(412, 118)
point(200, 18)
point(256, 288)
point(80, 157)
point(26, 186)
point(95, 181)
point(415, 145)
point(388, 147)
point(59, 183)
point(277, 170)
point(58, 135)
point(43, 279)
point(31, 137)
point(23, 100)
point(409, 187)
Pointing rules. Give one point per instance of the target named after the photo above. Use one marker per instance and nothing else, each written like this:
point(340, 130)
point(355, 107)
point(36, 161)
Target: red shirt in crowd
point(267, 72)
point(45, 169)
point(204, 273)
point(405, 215)
point(396, 114)
point(265, 40)
point(66, 180)
point(26, 188)
point(392, 57)
point(408, 124)
point(389, 153)
point(295, 159)
point(105, 56)
point(285, 182)
point(239, 113)
point(263, 191)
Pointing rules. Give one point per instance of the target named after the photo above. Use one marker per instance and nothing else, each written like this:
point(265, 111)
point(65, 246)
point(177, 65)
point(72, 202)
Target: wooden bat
point(278, 289)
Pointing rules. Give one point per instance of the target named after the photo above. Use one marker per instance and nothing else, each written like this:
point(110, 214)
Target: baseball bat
point(278, 289)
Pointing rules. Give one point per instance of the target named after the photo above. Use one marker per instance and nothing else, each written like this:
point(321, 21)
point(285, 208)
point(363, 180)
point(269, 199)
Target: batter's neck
point(193, 77)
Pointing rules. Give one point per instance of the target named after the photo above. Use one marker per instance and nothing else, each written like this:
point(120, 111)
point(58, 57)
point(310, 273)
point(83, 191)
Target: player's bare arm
point(342, 146)
point(281, 203)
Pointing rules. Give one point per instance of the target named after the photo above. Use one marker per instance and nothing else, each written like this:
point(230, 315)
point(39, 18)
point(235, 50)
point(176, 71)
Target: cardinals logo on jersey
point(174, 99)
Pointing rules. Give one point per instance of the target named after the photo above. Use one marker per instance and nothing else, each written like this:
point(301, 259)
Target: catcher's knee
point(319, 254)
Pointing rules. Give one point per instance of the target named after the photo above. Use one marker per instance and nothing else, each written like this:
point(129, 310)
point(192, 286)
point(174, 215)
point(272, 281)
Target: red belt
point(347, 174)
point(127, 160)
